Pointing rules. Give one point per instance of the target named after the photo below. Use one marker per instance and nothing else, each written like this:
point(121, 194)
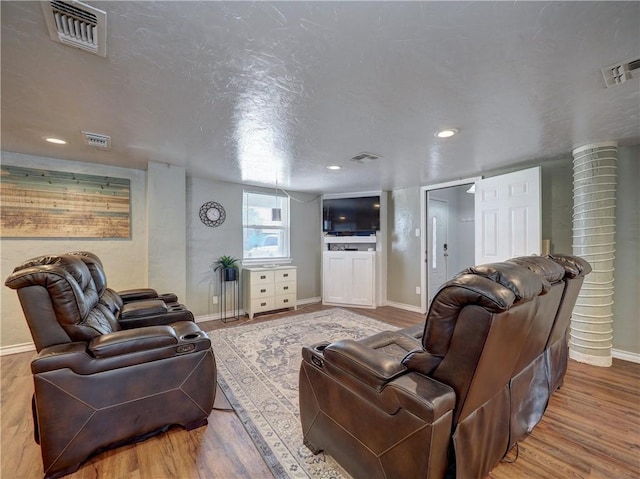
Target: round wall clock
point(212, 214)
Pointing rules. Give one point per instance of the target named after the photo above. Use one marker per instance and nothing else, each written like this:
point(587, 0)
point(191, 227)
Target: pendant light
point(276, 213)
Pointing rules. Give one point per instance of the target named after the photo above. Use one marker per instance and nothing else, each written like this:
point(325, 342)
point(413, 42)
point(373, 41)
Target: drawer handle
point(286, 287)
point(286, 301)
point(263, 277)
point(263, 304)
point(285, 275)
point(263, 290)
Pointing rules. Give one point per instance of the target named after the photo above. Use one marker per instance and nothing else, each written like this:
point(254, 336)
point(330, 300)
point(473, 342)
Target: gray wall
point(403, 259)
point(125, 260)
point(626, 298)
point(206, 244)
point(166, 224)
point(557, 207)
point(155, 254)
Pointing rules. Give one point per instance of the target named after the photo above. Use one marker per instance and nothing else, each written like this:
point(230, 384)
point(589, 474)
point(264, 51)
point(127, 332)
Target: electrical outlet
point(214, 299)
point(417, 289)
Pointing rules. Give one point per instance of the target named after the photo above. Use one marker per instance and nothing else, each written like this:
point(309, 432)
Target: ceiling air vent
point(364, 158)
point(96, 140)
point(621, 72)
point(77, 24)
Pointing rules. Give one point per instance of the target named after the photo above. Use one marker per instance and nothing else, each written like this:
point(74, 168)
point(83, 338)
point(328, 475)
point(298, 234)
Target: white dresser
point(267, 289)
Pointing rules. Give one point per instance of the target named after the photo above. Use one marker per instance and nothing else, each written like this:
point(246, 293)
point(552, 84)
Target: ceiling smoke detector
point(363, 157)
point(78, 25)
point(96, 140)
point(619, 73)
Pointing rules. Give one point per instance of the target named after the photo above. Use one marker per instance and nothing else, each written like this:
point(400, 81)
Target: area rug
point(258, 367)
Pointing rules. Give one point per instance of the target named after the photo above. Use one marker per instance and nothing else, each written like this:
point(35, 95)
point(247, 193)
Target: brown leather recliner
point(97, 385)
point(138, 307)
point(438, 403)
point(132, 308)
point(557, 348)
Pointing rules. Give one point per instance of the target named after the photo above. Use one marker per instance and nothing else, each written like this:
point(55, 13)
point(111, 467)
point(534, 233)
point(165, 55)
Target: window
point(265, 237)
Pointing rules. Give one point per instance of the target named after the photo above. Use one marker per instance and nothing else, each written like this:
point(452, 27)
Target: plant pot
point(230, 274)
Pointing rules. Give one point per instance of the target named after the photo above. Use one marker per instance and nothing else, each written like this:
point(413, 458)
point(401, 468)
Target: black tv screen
point(351, 215)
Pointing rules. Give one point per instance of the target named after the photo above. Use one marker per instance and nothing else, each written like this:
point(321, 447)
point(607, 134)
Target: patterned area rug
point(258, 367)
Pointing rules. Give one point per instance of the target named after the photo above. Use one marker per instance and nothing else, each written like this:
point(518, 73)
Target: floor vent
point(364, 158)
point(621, 72)
point(96, 140)
point(78, 25)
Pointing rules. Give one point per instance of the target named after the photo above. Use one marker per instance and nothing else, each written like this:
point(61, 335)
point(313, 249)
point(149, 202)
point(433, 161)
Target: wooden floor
point(590, 430)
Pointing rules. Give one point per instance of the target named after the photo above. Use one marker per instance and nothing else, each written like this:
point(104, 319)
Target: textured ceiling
point(259, 92)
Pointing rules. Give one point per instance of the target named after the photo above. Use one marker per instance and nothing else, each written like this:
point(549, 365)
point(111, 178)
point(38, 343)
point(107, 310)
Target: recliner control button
point(185, 348)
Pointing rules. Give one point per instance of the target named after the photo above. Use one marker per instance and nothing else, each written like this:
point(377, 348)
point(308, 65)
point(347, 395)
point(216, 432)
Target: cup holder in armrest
point(190, 336)
point(320, 347)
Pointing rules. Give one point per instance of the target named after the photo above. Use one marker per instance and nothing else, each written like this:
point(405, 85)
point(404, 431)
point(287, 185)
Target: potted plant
point(229, 266)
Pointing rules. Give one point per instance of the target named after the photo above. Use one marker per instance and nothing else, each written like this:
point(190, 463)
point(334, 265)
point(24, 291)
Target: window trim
point(266, 260)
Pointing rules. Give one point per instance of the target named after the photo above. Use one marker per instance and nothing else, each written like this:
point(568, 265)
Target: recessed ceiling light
point(333, 167)
point(448, 133)
point(57, 141)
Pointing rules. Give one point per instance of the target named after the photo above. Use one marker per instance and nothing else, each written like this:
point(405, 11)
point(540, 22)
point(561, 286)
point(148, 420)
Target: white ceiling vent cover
point(364, 157)
point(96, 140)
point(77, 24)
point(621, 72)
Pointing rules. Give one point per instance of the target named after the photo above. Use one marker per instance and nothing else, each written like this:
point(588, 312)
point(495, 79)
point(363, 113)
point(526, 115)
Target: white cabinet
point(267, 289)
point(348, 278)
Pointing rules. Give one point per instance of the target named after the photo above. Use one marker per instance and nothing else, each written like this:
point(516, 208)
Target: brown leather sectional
point(108, 371)
point(450, 398)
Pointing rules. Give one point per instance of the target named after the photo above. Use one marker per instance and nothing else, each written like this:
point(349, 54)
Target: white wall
point(125, 260)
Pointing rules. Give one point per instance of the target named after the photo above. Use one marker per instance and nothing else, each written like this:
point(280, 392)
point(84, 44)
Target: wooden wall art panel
point(55, 204)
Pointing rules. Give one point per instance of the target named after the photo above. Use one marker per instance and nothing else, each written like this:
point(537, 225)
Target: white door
point(437, 244)
point(507, 216)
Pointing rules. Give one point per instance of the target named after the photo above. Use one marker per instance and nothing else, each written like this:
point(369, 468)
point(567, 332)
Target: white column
point(594, 225)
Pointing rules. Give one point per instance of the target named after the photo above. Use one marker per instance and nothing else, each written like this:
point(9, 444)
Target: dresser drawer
point(285, 301)
point(286, 288)
point(262, 304)
point(285, 275)
point(262, 290)
point(261, 277)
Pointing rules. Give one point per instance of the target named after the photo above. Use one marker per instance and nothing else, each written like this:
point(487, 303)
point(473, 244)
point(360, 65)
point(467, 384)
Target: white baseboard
point(301, 302)
point(218, 316)
point(626, 356)
point(17, 348)
point(406, 307)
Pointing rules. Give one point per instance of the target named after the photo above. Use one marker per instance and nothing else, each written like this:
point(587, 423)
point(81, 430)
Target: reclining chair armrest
point(152, 312)
point(423, 396)
point(370, 366)
point(132, 340)
point(184, 338)
point(60, 356)
point(138, 294)
point(421, 361)
point(139, 309)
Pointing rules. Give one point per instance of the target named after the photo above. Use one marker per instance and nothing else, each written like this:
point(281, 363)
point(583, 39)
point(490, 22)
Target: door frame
point(424, 190)
point(429, 269)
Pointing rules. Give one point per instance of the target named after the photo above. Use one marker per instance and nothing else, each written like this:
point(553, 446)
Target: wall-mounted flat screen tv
point(351, 215)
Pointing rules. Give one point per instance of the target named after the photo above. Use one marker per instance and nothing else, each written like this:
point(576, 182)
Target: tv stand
point(354, 263)
point(349, 271)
